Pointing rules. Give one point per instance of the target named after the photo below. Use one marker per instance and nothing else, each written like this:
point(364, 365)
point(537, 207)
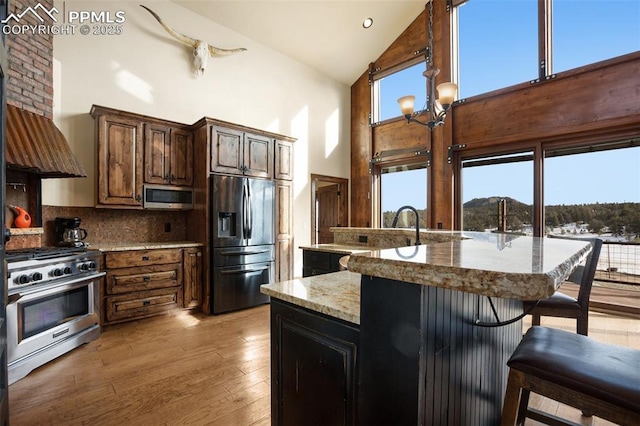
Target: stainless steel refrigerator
point(242, 241)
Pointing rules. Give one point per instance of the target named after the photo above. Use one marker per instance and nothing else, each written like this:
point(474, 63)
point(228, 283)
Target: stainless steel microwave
point(168, 197)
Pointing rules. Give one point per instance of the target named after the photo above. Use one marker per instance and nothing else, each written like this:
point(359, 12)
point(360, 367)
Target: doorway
point(329, 206)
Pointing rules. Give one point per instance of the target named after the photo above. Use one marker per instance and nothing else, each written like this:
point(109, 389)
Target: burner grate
point(41, 253)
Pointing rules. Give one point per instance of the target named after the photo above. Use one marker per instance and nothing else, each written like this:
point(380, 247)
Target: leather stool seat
point(561, 364)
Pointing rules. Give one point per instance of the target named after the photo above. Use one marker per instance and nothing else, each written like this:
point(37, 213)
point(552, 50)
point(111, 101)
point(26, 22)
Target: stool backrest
point(584, 275)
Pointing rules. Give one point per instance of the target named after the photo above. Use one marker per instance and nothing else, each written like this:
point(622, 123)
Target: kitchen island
point(416, 353)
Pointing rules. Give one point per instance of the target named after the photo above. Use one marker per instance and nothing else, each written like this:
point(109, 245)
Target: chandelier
point(437, 107)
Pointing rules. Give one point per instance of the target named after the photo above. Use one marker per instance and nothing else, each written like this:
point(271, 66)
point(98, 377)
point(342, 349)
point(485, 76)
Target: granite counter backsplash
point(108, 225)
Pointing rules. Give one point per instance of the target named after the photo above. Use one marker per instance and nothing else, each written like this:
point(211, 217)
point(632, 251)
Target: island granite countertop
point(491, 264)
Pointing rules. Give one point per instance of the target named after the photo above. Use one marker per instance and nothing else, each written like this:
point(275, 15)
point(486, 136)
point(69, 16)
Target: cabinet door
point(284, 160)
point(312, 355)
point(258, 156)
point(157, 160)
point(181, 158)
point(226, 150)
point(192, 277)
point(284, 230)
point(119, 162)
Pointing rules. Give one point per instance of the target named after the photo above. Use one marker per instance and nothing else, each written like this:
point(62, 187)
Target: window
point(390, 87)
point(497, 45)
point(400, 186)
point(497, 193)
point(593, 193)
point(497, 40)
point(585, 32)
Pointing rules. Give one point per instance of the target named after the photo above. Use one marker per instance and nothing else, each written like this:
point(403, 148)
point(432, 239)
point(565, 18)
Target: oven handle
point(68, 285)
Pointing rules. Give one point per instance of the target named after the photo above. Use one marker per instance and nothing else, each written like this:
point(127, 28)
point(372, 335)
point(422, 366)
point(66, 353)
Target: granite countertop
point(490, 264)
point(339, 248)
point(336, 294)
point(125, 246)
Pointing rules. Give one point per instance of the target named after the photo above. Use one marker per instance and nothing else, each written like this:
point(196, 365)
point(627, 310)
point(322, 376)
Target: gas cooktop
point(42, 253)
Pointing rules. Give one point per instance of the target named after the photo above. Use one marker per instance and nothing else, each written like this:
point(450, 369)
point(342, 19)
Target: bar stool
point(597, 378)
point(562, 305)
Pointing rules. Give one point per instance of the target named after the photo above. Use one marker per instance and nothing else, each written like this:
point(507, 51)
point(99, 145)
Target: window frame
point(375, 75)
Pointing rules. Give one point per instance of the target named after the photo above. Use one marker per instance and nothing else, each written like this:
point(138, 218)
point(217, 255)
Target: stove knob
point(84, 267)
point(92, 265)
point(57, 272)
point(22, 279)
point(36, 276)
point(67, 270)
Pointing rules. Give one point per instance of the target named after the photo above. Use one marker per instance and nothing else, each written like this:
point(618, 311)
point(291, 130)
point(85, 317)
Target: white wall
point(146, 71)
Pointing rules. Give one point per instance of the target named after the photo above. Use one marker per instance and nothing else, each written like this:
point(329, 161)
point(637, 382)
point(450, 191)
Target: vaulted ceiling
point(326, 35)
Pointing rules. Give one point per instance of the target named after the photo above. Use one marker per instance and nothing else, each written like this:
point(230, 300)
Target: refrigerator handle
point(249, 211)
point(244, 209)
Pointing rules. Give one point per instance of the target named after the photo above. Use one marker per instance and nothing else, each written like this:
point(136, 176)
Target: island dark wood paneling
point(313, 368)
point(424, 361)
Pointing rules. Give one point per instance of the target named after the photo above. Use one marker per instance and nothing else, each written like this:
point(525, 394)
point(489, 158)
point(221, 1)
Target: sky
point(584, 31)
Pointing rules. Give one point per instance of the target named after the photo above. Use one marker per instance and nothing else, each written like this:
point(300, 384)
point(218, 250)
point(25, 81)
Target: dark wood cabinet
point(237, 152)
point(135, 149)
point(320, 262)
point(284, 230)
point(192, 278)
point(284, 160)
point(141, 283)
point(168, 155)
point(120, 152)
point(314, 362)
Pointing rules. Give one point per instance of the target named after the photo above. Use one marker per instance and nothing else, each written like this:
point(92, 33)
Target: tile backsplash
point(111, 225)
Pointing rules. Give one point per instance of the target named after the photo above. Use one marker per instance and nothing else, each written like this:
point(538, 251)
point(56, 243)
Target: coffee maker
point(69, 233)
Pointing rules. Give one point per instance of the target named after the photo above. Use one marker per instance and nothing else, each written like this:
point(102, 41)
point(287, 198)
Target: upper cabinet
point(135, 149)
point(237, 152)
point(120, 153)
point(168, 155)
point(284, 160)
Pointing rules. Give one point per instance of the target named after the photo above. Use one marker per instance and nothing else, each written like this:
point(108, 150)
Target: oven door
point(42, 316)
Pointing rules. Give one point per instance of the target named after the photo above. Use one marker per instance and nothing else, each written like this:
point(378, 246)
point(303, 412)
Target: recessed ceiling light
point(367, 23)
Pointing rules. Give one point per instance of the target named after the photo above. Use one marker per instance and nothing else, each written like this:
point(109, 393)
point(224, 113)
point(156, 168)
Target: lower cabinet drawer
point(126, 280)
point(127, 259)
point(142, 303)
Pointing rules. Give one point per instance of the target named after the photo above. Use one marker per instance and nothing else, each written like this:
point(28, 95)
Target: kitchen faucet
point(395, 221)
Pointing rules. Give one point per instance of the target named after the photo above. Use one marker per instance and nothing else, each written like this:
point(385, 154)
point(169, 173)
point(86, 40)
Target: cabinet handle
point(145, 257)
point(146, 302)
point(146, 278)
point(138, 198)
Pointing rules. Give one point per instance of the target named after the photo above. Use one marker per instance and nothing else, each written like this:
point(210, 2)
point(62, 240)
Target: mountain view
point(617, 220)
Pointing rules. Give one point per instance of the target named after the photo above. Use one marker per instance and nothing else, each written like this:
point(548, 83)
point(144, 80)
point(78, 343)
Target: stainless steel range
point(53, 304)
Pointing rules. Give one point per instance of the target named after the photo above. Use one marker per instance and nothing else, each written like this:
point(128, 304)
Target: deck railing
point(619, 263)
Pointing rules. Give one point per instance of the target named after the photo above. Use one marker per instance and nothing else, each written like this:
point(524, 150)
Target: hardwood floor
point(169, 370)
point(193, 369)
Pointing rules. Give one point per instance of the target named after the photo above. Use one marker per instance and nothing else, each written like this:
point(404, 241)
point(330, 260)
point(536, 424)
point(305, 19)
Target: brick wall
point(30, 82)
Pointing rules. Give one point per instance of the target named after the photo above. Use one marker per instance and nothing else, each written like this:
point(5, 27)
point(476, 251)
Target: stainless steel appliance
point(167, 197)
point(53, 304)
point(242, 241)
point(68, 232)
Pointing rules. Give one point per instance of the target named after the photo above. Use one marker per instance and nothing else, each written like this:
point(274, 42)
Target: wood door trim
point(343, 206)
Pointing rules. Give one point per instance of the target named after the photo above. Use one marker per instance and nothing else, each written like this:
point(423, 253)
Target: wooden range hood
point(36, 145)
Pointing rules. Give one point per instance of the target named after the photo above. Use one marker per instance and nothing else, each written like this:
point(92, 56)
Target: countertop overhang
point(490, 264)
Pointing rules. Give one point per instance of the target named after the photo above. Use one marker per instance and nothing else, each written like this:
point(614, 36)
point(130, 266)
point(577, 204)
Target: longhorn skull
point(201, 49)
